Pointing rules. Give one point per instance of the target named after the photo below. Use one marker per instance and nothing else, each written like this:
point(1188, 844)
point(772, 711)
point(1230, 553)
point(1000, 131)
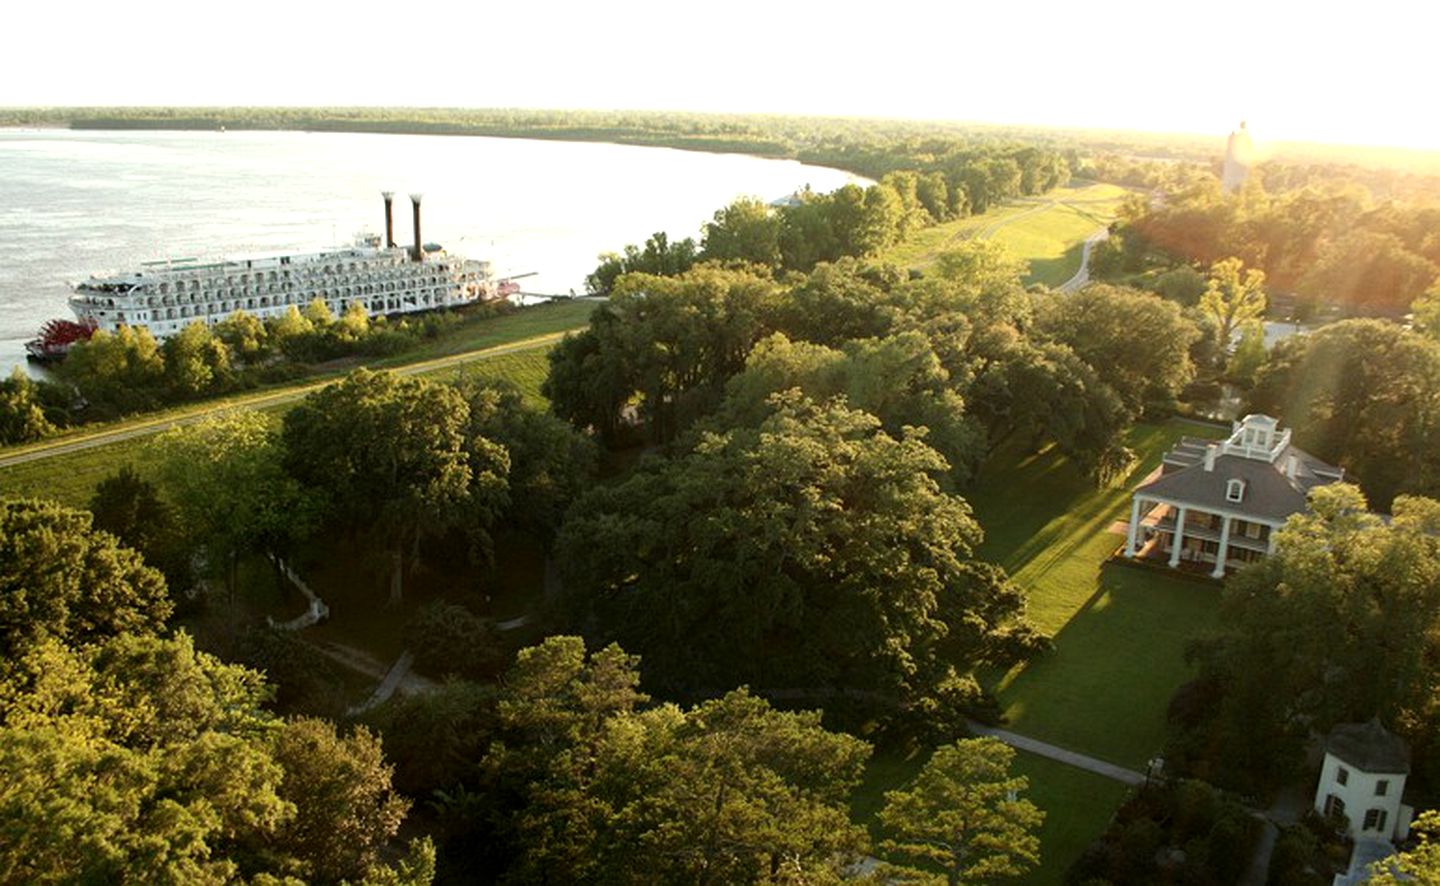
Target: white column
point(1224, 551)
point(1270, 541)
point(1179, 538)
point(1134, 526)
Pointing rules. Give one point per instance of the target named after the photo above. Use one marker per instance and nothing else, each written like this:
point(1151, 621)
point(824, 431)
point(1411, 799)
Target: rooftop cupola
point(1258, 437)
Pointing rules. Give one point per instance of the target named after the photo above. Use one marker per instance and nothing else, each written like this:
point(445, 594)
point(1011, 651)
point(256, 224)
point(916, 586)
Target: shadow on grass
point(1105, 687)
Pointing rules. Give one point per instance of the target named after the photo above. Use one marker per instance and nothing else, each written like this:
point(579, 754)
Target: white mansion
point(1217, 503)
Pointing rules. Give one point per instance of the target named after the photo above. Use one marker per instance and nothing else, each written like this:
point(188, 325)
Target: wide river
point(77, 203)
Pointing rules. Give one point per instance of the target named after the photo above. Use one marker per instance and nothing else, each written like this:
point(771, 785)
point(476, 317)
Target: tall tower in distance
point(1239, 155)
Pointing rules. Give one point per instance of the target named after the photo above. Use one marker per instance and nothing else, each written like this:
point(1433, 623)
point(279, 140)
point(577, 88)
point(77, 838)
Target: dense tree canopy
point(22, 415)
point(1102, 325)
point(964, 814)
point(158, 764)
point(668, 342)
point(391, 459)
point(603, 791)
point(226, 477)
point(791, 529)
point(1363, 394)
point(61, 579)
point(1338, 625)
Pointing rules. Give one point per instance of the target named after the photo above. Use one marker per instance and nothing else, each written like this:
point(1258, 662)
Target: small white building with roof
point(1215, 505)
point(1362, 779)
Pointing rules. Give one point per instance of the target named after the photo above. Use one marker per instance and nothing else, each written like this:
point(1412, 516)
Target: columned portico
point(1224, 552)
point(1178, 542)
point(1135, 511)
point(1214, 504)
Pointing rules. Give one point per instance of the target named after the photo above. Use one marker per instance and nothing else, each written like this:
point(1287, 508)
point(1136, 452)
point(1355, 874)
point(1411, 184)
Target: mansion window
point(1382, 787)
point(1374, 820)
point(1342, 776)
point(1235, 490)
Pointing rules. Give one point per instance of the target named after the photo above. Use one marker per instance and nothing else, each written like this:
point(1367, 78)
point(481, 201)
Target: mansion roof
point(1274, 477)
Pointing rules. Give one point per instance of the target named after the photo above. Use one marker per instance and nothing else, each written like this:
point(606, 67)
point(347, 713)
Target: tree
point(963, 814)
point(550, 462)
point(746, 231)
point(660, 258)
point(836, 302)
point(588, 385)
point(1183, 285)
point(61, 579)
point(245, 335)
point(1369, 272)
point(130, 508)
point(1419, 864)
point(196, 362)
point(117, 372)
point(226, 476)
point(1099, 324)
point(1250, 355)
point(389, 456)
point(1231, 299)
point(345, 809)
point(158, 763)
point(753, 558)
point(22, 418)
point(1425, 312)
point(448, 639)
point(730, 791)
point(1339, 624)
point(1363, 394)
point(898, 379)
point(669, 342)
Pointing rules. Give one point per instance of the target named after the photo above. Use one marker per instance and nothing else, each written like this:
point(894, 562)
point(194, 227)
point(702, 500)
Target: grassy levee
point(540, 322)
point(1047, 232)
point(1120, 633)
point(71, 477)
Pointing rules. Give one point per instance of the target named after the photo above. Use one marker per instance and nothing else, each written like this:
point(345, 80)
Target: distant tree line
point(1324, 240)
point(810, 228)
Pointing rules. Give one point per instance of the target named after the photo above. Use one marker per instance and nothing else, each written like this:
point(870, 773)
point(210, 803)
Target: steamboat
point(166, 296)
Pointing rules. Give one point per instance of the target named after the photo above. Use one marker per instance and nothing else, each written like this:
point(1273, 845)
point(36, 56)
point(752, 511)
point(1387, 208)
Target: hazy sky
point(1353, 72)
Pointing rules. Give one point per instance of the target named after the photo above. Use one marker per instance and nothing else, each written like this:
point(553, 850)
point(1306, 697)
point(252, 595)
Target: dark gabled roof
point(1269, 492)
point(1369, 747)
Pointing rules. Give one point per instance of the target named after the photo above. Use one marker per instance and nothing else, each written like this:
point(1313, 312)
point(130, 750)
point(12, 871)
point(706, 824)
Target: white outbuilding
point(1362, 780)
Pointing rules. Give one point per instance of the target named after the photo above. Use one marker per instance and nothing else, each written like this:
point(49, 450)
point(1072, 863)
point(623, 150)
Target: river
point(74, 203)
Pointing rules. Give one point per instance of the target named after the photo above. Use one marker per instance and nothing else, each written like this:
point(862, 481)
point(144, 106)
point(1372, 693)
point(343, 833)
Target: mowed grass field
point(1047, 232)
point(1120, 636)
point(71, 478)
point(1120, 632)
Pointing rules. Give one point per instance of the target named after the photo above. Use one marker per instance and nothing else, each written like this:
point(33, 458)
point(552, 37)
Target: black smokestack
point(389, 220)
point(419, 254)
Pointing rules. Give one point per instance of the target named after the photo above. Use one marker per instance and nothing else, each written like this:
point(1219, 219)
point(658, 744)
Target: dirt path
point(1082, 276)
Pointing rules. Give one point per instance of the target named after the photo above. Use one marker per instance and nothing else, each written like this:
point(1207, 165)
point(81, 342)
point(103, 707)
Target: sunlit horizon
point(1301, 73)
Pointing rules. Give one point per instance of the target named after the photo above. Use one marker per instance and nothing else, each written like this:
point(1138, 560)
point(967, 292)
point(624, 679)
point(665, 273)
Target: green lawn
point(1077, 804)
point(71, 478)
point(1120, 633)
point(1048, 236)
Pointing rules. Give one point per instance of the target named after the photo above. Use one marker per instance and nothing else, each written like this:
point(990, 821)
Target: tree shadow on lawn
point(1104, 689)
